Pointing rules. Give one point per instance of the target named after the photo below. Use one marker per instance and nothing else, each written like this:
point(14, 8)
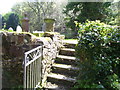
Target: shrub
point(98, 50)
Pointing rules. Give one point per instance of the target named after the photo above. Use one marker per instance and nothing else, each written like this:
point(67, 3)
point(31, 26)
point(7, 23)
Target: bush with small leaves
point(98, 50)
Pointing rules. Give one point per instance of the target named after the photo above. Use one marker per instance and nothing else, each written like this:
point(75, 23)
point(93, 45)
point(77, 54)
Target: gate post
point(49, 24)
point(25, 23)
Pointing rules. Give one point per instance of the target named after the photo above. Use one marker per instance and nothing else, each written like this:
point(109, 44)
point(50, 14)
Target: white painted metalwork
point(32, 68)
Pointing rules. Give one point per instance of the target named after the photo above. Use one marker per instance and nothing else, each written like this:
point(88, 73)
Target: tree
point(3, 22)
point(38, 11)
point(81, 11)
point(13, 21)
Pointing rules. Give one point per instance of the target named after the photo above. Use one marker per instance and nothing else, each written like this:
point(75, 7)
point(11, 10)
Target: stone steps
point(67, 51)
point(69, 67)
point(66, 57)
point(69, 60)
point(60, 79)
point(63, 68)
point(53, 86)
point(70, 43)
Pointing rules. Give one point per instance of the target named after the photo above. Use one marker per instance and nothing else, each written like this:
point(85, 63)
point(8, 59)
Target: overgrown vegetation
point(98, 50)
point(106, 12)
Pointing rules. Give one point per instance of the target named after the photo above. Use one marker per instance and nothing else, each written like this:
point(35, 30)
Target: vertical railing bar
point(41, 63)
point(30, 76)
point(37, 70)
point(27, 76)
point(40, 68)
point(24, 82)
point(35, 73)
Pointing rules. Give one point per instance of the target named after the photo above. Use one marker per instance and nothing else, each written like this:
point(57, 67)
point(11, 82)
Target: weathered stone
point(28, 38)
point(49, 24)
point(20, 39)
point(50, 34)
point(25, 23)
point(15, 45)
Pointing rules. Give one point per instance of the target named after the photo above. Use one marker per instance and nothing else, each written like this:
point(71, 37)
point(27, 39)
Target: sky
point(6, 5)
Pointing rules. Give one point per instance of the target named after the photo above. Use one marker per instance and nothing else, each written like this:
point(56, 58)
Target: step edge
point(51, 75)
point(66, 66)
point(64, 57)
point(68, 49)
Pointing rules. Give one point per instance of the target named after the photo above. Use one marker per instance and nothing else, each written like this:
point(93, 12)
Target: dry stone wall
point(14, 45)
point(52, 43)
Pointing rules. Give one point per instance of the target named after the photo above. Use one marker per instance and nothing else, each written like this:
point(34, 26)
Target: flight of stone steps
point(64, 70)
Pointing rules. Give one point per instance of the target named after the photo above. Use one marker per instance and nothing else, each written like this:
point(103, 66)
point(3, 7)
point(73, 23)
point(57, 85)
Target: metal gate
point(32, 68)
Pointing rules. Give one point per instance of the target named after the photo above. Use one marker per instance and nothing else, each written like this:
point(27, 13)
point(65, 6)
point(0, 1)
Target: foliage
point(12, 20)
point(37, 11)
point(81, 11)
point(5, 18)
point(3, 22)
point(98, 51)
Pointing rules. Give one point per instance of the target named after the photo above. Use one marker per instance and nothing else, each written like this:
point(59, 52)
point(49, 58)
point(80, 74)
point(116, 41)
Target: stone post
point(25, 23)
point(49, 24)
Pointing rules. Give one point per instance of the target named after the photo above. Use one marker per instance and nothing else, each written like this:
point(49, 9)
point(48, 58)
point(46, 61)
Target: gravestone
point(0, 21)
point(10, 29)
point(19, 29)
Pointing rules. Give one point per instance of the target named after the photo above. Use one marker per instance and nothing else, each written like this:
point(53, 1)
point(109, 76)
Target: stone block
point(20, 39)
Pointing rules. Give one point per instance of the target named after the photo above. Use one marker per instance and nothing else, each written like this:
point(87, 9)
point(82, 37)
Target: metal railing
point(32, 68)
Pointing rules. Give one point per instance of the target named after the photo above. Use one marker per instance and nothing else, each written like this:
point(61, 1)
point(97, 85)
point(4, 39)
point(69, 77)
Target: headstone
point(10, 29)
point(0, 21)
point(19, 29)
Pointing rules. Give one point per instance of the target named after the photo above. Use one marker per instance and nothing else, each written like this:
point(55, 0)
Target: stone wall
point(52, 44)
point(14, 45)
